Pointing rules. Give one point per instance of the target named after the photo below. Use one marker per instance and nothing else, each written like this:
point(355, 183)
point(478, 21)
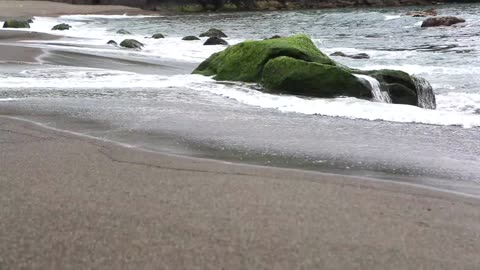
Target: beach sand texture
point(46, 8)
point(73, 202)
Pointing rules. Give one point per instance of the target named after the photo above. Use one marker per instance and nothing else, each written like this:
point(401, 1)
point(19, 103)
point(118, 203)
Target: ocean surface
point(149, 99)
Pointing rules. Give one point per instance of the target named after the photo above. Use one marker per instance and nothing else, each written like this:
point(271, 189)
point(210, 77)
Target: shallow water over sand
point(147, 98)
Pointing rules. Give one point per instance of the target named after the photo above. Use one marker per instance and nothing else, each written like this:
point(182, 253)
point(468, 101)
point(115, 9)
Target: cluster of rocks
point(294, 65)
point(215, 37)
point(435, 21)
point(15, 23)
point(424, 13)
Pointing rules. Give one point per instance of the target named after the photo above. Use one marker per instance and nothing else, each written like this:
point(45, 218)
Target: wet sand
point(74, 202)
point(45, 8)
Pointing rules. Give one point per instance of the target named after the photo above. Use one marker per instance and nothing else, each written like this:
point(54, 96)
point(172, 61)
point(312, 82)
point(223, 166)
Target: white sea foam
point(391, 17)
point(8, 99)
point(453, 108)
point(346, 107)
point(459, 102)
point(84, 38)
point(97, 79)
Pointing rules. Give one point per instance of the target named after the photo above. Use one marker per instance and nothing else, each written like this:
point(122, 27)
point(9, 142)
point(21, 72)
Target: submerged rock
point(442, 21)
point(215, 41)
point(274, 37)
point(112, 42)
point(16, 24)
point(62, 27)
point(213, 32)
point(425, 13)
point(190, 38)
point(131, 44)
point(354, 56)
point(123, 32)
point(158, 36)
point(294, 65)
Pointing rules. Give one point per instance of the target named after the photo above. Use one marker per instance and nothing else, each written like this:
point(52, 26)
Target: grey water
point(188, 118)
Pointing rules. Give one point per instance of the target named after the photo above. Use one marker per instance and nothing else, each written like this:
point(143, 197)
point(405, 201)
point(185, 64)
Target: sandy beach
point(74, 202)
point(69, 201)
point(10, 8)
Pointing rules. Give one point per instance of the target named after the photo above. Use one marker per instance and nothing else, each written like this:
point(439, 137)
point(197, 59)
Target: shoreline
point(26, 9)
point(16, 52)
point(362, 179)
point(104, 201)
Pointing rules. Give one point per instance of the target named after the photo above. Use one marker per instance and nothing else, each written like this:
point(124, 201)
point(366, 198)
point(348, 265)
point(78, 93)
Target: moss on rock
point(245, 61)
point(62, 27)
point(294, 65)
point(16, 24)
point(289, 75)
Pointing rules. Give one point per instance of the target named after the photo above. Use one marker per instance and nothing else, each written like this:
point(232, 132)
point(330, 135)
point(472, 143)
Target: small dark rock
point(442, 21)
point(425, 13)
point(215, 41)
point(30, 20)
point(213, 32)
point(353, 56)
point(112, 42)
point(359, 56)
point(190, 38)
point(16, 24)
point(62, 27)
point(274, 37)
point(131, 44)
point(123, 32)
point(157, 36)
point(338, 54)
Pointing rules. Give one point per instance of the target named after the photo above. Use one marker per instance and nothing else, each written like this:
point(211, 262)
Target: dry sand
point(70, 202)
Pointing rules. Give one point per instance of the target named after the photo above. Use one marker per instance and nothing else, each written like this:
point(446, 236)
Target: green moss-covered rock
point(16, 24)
point(245, 61)
point(294, 65)
point(131, 44)
point(62, 27)
point(293, 76)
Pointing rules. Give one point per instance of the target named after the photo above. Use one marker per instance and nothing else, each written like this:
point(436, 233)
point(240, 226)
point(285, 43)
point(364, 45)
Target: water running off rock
point(374, 84)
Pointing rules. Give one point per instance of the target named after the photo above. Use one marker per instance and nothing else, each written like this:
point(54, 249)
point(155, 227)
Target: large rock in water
point(16, 24)
point(294, 65)
point(442, 21)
